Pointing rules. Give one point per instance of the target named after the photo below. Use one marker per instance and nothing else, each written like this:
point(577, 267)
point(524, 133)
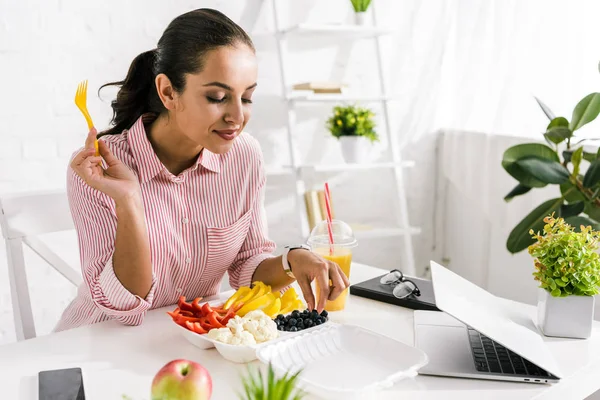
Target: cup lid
point(342, 234)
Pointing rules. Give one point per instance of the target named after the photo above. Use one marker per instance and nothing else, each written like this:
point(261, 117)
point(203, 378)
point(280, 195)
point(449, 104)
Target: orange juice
point(342, 257)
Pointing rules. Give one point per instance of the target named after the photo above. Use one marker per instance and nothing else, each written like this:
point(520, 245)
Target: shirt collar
point(148, 162)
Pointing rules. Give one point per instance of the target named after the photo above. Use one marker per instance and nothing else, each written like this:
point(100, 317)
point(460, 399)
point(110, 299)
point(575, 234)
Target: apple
point(182, 380)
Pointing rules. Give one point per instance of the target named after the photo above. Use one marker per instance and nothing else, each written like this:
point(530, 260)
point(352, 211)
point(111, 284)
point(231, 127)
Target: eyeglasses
point(402, 287)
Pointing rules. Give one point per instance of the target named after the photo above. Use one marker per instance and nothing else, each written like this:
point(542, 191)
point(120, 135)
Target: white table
point(118, 360)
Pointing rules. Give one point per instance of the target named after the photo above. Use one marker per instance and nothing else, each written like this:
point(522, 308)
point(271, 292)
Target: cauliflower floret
point(261, 326)
point(243, 338)
point(236, 324)
point(221, 334)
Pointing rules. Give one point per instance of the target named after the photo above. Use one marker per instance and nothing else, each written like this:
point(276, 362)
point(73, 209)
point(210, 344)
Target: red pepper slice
point(206, 310)
point(198, 328)
point(196, 305)
point(183, 305)
point(205, 324)
point(212, 319)
point(223, 319)
point(191, 319)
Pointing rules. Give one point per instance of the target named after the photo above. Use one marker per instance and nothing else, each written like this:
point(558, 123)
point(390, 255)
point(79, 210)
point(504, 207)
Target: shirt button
point(188, 260)
point(179, 290)
point(185, 220)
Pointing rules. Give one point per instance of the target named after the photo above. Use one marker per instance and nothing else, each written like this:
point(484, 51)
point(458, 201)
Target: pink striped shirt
point(207, 220)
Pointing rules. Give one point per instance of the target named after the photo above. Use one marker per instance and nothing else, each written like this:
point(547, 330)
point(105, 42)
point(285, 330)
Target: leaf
point(569, 210)
point(516, 191)
point(592, 175)
point(544, 170)
point(570, 193)
point(585, 111)
point(576, 160)
point(558, 134)
point(520, 151)
point(589, 156)
point(558, 122)
point(579, 220)
point(560, 282)
point(545, 109)
point(519, 238)
point(592, 211)
point(555, 292)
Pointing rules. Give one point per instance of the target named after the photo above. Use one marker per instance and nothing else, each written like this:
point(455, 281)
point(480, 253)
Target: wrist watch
point(284, 258)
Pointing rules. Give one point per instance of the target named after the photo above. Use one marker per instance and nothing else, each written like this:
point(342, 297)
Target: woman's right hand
point(117, 180)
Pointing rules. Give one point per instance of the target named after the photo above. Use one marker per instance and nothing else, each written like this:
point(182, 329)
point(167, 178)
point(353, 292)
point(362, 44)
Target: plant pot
point(568, 317)
point(360, 18)
point(355, 149)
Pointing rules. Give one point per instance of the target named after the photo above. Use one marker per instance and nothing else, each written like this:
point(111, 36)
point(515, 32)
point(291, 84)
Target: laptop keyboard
point(490, 356)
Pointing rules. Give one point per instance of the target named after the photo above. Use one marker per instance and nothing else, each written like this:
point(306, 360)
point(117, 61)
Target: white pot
point(360, 18)
point(569, 317)
point(355, 149)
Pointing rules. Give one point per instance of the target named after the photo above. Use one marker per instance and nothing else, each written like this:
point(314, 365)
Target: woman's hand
point(116, 181)
point(307, 266)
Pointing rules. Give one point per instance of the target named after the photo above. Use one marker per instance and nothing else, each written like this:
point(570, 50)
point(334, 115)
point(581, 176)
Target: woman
point(175, 198)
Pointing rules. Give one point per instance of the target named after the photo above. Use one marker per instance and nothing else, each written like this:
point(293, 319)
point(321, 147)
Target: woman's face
point(216, 103)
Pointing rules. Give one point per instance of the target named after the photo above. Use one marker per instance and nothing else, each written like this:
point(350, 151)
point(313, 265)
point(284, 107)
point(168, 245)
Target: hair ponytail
point(180, 51)
point(136, 95)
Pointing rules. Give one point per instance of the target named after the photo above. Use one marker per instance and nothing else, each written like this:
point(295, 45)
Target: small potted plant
point(567, 266)
point(360, 10)
point(354, 127)
point(258, 387)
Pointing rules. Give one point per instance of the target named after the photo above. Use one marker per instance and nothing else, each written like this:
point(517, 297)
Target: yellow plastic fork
point(81, 102)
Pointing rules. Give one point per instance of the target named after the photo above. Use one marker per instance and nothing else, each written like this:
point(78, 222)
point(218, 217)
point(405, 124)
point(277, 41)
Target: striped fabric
point(207, 220)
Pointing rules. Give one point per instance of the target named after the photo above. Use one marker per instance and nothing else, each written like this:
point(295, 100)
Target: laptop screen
point(492, 316)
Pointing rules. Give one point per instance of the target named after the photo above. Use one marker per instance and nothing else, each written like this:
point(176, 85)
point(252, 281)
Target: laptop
point(479, 335)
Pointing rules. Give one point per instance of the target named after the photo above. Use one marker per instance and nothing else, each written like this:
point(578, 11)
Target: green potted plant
point(354, 127)
point(567, 266)
point(360, 10)
point(564, 162)
point(258, 387)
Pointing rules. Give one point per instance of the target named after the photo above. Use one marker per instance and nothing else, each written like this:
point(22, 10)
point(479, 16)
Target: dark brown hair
point(180, 51)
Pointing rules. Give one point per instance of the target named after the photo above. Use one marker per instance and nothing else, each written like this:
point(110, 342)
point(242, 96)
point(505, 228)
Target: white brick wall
point(47, 46)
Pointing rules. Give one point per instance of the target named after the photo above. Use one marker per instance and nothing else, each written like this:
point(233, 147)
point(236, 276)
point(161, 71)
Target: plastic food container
point(343, 361)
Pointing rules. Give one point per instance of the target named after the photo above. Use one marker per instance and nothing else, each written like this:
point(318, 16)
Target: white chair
point(22, 218)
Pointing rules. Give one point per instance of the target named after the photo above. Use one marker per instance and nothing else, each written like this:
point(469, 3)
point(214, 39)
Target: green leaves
point(592, 176)
point(517, 191)
point(352, 120)
point(566, 260)
point(585, 111)
point(569, 210)
point(360, 5)
point(544, 170)
point(545, 109)
point(519, 238)
point(523, 173)
point(578, 220)
point(576, 160)
point(558, 130)
point(535, 165)
point(258, 387)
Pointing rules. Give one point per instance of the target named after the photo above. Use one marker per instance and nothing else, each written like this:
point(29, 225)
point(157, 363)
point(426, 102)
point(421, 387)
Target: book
point(320, 87)
point(313, 209)
point(323, 206)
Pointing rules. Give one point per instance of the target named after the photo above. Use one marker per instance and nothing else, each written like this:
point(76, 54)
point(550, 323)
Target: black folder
point(373, 289)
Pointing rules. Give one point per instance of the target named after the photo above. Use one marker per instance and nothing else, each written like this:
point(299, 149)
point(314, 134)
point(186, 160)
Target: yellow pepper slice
point(273, 309)
point(256, 304)
point(252, 294)
point(289, 296)
point(244, 290)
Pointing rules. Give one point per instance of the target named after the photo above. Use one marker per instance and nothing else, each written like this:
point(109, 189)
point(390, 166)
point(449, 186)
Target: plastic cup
point(343, 243)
